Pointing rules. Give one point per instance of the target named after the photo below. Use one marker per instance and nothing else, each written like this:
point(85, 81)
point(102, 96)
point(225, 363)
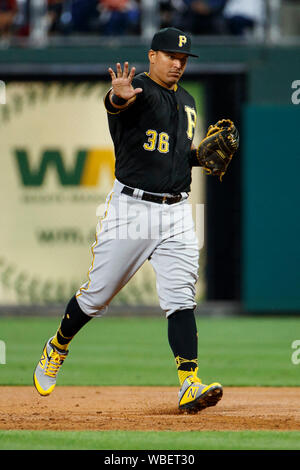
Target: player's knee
point(174, 309)
point(92, 306)
point(94, 299)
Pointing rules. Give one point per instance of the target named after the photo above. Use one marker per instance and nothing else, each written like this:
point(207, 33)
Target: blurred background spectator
point(101, 17)
point(263, 19)
point(119, 17)
point(244, 16)
point(84, 16)
point(54, 12)
point(200, 17)
point(167, 9)
point(8, 11)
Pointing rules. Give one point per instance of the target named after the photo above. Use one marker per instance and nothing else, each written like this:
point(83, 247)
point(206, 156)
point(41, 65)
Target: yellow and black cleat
point(194, 396)
point(44, 377)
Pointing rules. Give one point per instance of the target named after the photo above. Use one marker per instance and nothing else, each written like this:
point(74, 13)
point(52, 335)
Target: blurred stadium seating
point(43, 20)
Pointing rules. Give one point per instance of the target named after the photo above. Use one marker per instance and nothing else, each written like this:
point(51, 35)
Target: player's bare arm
point(122, 92)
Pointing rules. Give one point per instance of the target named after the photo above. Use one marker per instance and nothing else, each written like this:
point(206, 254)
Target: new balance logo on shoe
point(43, 360)
point(195, 396)
point(192, 392)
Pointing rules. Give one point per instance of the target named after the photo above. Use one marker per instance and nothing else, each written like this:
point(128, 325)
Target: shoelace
point(194, 378)
point(54, 364)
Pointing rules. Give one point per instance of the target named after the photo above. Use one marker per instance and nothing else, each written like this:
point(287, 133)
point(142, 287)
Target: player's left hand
point(216, 150)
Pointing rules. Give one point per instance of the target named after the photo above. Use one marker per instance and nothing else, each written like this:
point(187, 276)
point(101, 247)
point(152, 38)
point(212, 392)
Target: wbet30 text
point(150, 459)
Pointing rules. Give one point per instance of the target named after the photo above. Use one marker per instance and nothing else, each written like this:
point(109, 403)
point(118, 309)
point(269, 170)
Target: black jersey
point(153, 136)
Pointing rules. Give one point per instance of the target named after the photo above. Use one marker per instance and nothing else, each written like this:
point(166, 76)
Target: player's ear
point(151, 56)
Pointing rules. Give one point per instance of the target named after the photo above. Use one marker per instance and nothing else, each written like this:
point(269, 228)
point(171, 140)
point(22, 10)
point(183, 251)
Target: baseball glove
point(216, 150)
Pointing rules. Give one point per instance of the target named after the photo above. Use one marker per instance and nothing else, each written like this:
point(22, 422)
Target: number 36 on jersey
point(160, 141)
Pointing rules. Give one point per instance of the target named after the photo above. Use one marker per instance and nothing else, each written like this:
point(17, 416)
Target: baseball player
point(147, 216)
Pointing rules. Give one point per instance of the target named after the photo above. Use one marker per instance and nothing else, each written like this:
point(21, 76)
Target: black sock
point(183, 339)
point(73, 320)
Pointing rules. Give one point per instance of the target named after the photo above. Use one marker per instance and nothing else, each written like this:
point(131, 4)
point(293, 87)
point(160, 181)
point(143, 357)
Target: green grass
point(158, 440)
point(135, 351)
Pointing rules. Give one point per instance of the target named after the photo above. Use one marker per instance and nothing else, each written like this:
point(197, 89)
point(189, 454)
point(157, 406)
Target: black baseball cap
point(172, 40)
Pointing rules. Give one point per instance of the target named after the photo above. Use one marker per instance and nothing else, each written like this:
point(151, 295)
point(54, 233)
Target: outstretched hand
point(121, 83)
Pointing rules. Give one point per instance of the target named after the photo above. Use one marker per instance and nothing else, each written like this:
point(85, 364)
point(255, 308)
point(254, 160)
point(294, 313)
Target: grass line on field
point(149, 440)
point(135, 351)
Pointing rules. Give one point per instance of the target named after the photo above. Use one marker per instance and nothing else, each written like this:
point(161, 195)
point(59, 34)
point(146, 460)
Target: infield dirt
point(147, 408)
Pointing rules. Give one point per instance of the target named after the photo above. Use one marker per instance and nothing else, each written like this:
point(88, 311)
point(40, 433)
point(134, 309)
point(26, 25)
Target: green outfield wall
point(271, 223)
point(270, 69)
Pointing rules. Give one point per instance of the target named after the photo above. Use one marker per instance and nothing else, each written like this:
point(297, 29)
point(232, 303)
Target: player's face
point(167, 67)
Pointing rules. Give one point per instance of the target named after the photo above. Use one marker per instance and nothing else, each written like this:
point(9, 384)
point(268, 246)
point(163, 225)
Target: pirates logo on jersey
point(191, 117)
